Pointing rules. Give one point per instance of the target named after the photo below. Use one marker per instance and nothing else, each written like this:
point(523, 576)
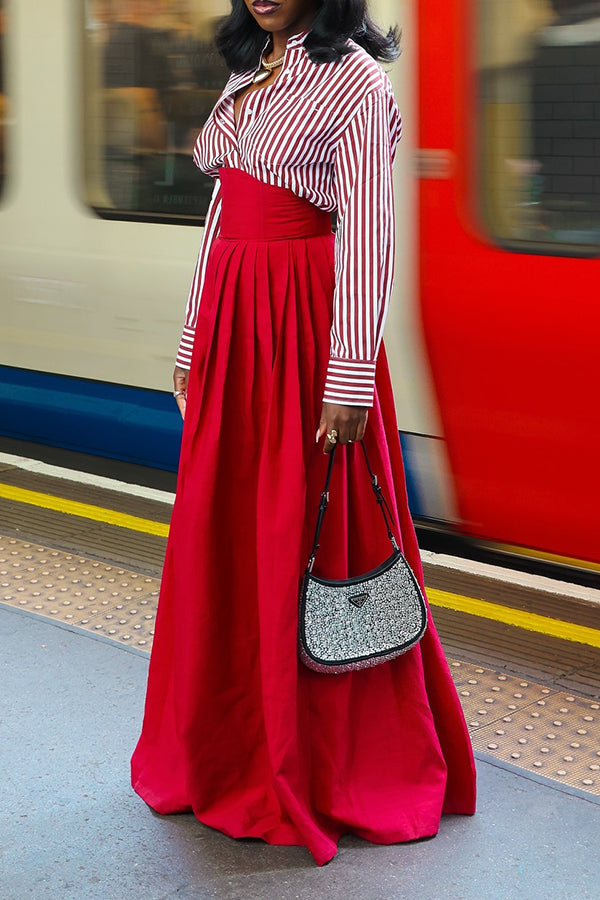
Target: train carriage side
point(509, 269)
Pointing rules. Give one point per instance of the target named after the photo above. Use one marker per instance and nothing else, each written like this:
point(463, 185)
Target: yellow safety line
point(482, 608)
point(83, 510)
point(567, 631)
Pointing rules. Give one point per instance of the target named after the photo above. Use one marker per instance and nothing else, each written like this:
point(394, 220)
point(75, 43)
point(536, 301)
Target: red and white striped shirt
point(327, 132)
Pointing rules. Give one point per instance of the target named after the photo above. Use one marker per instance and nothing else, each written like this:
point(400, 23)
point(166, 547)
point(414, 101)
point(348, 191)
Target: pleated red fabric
point(236, 729)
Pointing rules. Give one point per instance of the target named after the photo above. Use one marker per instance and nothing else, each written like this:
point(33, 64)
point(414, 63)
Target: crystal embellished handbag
point(362, 621)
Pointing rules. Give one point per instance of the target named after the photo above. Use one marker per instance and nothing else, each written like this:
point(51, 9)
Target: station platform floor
point(80, 563)
point(71, 826)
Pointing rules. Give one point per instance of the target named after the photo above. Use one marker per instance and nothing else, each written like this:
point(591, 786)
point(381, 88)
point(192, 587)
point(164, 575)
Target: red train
point(509, 269)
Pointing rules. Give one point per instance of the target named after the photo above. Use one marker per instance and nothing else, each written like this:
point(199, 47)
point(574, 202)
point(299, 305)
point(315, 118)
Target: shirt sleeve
point(211, 229)
point(364, 248)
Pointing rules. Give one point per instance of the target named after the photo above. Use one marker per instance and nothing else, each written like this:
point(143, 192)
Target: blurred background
point(494, 327)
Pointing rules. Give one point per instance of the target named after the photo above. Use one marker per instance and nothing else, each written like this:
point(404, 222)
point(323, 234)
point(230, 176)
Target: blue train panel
point(132, 424)
point(136, 425)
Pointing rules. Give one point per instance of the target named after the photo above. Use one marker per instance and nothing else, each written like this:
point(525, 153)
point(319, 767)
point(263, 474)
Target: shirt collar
point(296, 40)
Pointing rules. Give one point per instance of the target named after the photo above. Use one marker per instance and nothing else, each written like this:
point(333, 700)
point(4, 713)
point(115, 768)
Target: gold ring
point(332, 436)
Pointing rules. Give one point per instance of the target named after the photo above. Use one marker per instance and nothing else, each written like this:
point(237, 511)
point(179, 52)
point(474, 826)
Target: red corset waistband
point(255, 211)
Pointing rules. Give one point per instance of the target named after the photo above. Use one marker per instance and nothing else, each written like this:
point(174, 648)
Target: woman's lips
point(264, 7)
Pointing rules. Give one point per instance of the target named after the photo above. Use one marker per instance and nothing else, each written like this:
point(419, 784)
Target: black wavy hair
point(240, 39)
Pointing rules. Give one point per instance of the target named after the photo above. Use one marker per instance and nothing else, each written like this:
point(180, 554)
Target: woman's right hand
point(180, 381)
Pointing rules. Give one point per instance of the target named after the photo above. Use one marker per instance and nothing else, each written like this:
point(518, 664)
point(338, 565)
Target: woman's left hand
point(180, 383)
point(348, 421)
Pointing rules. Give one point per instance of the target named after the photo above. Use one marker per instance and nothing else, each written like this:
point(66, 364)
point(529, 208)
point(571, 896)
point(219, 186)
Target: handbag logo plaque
point(358, 622)
point(359, 599)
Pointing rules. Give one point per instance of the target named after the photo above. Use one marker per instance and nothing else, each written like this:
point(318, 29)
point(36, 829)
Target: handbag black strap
point(324, 502)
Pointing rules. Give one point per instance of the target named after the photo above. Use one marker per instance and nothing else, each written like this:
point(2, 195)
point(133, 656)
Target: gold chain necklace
point(265, 68)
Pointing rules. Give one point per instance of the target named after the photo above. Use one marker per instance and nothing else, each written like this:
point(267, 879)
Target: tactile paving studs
point(556, 736)
point(92, 595)
point(462, 671)
point(19, 561)
point(487, 696)
point(132, 623)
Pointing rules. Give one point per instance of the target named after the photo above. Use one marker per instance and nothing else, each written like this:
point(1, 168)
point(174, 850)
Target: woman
point(282, 338)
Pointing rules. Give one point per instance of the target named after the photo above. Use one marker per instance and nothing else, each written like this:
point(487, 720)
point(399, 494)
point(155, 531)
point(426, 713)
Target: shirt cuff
point(186, 345)
point(350, 382)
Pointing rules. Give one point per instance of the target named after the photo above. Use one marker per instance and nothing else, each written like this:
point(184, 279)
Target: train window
point(152, 75)
point(539, 75)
